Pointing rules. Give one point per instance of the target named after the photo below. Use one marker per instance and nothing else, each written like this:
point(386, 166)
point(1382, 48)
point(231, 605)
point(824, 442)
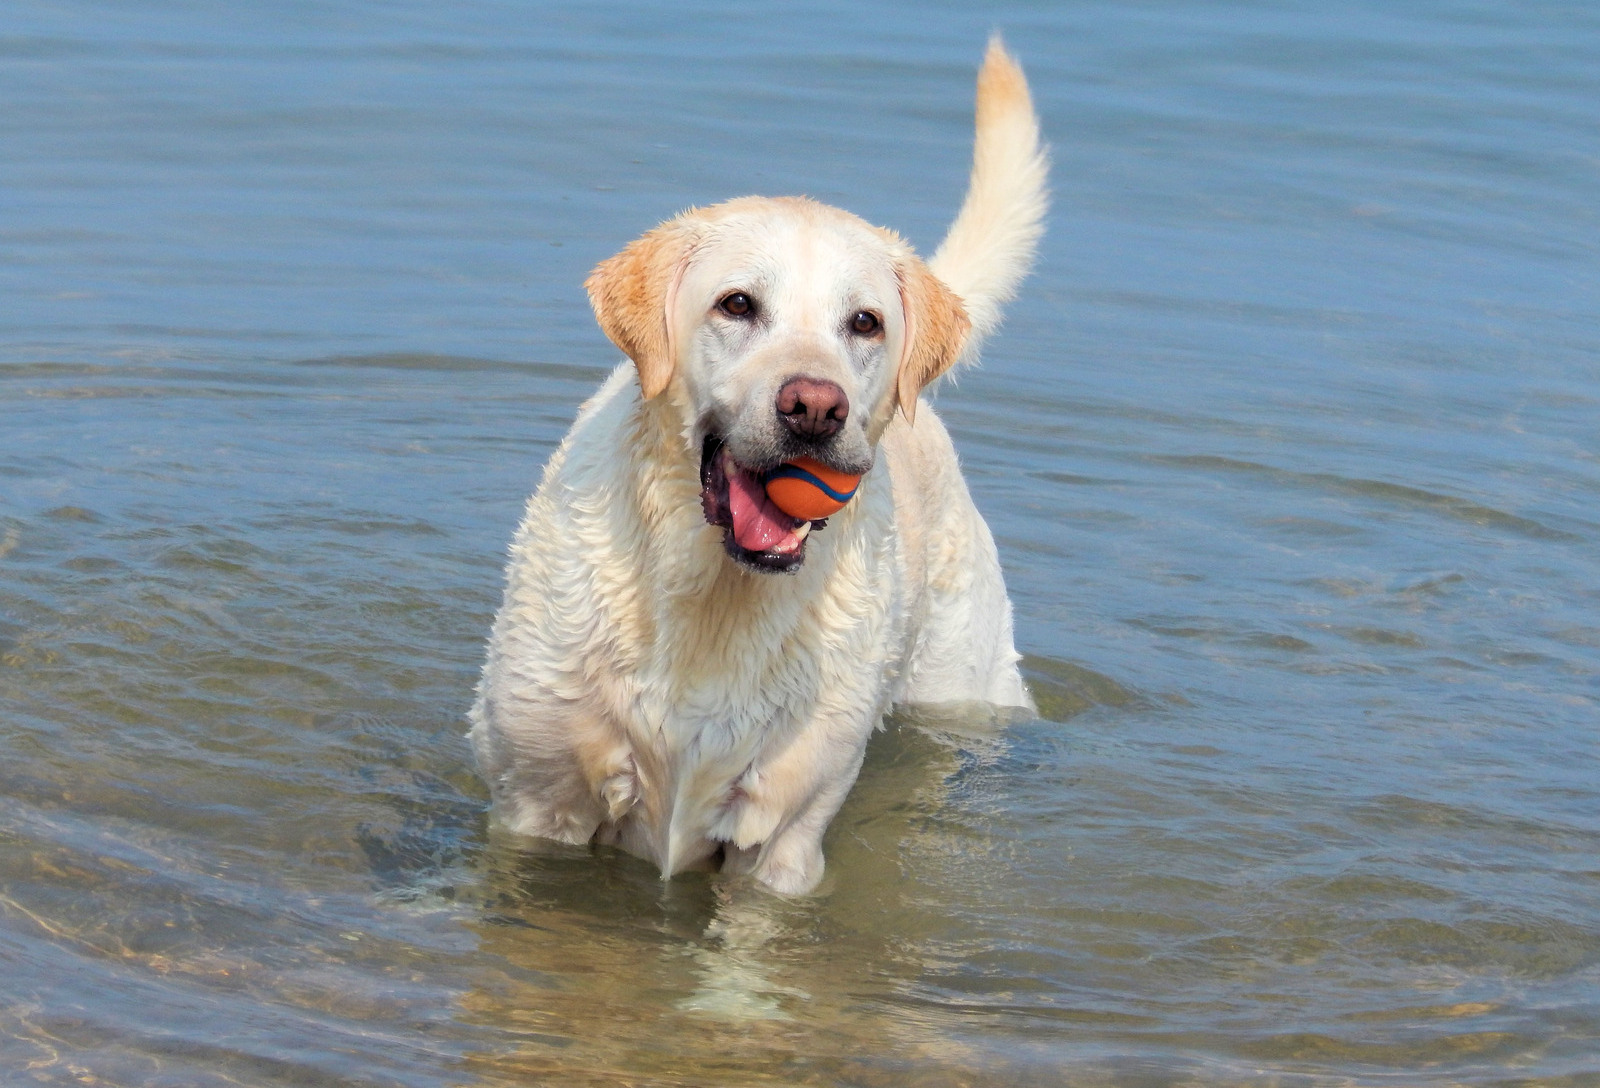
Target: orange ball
point(808, 489)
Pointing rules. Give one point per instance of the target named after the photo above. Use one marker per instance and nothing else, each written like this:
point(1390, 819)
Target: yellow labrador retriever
point(681, 669)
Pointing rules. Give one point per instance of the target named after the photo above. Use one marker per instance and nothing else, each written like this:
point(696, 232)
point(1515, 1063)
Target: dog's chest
point(736, 663)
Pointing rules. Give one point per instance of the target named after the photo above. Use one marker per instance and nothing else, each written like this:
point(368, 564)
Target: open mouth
point(755, 532)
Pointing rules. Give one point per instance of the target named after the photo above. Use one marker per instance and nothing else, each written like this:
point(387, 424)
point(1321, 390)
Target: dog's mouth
point(755, 532)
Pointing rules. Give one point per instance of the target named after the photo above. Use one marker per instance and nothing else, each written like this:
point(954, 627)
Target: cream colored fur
point(645, 690)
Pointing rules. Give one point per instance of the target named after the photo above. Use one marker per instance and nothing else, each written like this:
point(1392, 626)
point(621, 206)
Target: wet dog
point(682, 669)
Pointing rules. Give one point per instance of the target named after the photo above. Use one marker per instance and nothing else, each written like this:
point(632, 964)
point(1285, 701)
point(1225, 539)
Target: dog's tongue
point(758, 526)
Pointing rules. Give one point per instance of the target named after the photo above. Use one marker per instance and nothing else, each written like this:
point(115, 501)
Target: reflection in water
point(604, 961)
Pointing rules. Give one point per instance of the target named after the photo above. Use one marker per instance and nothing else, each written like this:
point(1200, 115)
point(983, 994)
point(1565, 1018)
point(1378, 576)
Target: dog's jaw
point(781, 556)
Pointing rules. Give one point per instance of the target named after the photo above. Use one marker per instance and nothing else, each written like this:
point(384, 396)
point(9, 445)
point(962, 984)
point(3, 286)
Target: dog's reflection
point(603, 970)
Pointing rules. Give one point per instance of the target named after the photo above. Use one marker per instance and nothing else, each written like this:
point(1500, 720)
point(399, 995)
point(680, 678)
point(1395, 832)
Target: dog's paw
point(789, 867)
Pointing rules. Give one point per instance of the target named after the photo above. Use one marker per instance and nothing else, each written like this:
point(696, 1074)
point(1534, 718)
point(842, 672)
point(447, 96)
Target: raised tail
point(991, 243)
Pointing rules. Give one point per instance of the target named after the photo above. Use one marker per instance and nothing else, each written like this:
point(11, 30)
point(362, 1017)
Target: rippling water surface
point(1290, 446)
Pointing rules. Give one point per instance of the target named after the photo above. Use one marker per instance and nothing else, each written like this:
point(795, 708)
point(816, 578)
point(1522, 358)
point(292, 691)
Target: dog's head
point(782, 328)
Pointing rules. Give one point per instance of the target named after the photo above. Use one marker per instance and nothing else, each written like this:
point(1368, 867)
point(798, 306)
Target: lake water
point(1291, 448)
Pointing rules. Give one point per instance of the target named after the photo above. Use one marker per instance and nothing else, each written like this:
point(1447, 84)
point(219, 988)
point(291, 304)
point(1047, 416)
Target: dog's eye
point(865, 324)
point(737, 304)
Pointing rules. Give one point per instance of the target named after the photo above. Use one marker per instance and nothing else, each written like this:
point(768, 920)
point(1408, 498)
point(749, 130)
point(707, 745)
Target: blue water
point(1290, 446)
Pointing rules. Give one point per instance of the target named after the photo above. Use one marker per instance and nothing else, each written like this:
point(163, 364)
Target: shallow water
point(1290, 447)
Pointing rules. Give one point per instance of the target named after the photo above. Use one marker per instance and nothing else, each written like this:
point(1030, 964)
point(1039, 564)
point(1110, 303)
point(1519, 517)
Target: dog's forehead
point(796, 250)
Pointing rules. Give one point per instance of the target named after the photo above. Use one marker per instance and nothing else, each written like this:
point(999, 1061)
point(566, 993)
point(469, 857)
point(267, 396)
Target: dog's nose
point(813, 409)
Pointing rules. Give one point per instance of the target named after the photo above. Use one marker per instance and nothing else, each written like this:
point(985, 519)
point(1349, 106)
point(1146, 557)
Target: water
point(1290, 447)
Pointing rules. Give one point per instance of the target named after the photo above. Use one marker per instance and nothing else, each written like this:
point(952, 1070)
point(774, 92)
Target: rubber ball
point(808, 489)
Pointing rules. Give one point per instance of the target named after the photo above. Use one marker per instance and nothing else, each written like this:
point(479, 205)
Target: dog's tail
point(990, 245)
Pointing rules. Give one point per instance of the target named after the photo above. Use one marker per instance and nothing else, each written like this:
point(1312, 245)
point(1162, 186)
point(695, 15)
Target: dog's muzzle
point(755, 532)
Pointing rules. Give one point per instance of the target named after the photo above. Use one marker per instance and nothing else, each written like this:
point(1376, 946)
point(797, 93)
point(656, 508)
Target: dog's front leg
point(791, 862)
point(797, 795)
point(557, 770)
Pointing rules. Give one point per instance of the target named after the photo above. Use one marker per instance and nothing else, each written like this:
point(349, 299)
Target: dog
point(680, 669)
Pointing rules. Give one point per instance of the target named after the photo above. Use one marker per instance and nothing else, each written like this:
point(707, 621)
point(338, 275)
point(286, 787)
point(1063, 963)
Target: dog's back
point(964, 645)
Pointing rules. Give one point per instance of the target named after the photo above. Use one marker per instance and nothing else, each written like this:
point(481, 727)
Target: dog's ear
point(936, 328)
point(632, 295)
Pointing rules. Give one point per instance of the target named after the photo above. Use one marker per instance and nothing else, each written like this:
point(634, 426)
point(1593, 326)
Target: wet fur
point(642, 689)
